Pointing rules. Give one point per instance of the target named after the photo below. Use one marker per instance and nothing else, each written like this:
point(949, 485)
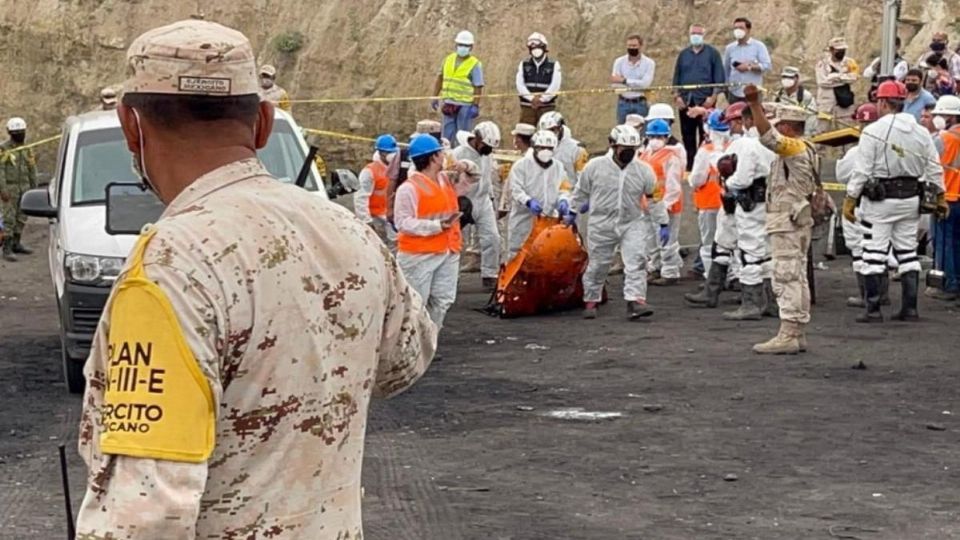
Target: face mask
point(788, 82)
point(739, 33)
point(463, 51)
point(485, 150)
point(626, 155)
point(719, 136)
point(838, 55)
point(938, 46)
point(387, 158)
point(537, 53)
point(656, 144)
point(139, 166)
point(912, 87)
point(266, 82)
point(939, 122)
point(559, 134)
point(18, 136)
point(696, 40)
point(544, 155)
point(633, 52)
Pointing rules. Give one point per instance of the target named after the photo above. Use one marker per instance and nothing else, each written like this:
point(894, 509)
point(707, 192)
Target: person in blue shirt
point(917, 96)
point(697, 64)
point(745, 60)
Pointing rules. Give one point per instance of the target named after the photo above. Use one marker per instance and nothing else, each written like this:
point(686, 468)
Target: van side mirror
point(36, 203)
point(130, 207)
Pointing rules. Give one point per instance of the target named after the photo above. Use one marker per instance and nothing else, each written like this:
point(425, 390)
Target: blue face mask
point(696, 40)
point(463, 50)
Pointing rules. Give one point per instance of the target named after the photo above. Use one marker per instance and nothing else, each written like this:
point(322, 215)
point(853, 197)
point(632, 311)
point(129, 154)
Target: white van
point(84, 259)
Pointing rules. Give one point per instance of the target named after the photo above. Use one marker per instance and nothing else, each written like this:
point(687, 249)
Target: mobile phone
point(736, 64)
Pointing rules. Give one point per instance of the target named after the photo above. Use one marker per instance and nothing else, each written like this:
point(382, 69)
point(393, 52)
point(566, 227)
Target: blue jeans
point(946, 247)
point(631, 107)
point(460, 122)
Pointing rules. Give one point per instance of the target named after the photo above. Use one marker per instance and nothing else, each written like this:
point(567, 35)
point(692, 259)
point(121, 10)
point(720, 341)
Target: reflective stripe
point(457, 85)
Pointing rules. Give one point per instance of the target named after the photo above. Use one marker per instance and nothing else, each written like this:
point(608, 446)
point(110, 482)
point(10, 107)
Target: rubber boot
point(772, 308)
point(909, 287)
point(590, 310)
point(710, 294)
point(885, 289)
point(19, 248)
point(785, 342)
point(871, 288)
point(751, 305)
point(858, 301)
point(8, 251)
point(637, 310)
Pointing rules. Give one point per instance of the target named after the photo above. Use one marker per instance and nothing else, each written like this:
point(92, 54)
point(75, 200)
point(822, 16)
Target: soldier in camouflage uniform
point(18, 173)
point(231, 373)
point(789, 219)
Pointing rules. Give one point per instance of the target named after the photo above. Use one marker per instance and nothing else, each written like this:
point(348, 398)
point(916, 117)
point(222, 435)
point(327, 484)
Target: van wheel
point(72, 371)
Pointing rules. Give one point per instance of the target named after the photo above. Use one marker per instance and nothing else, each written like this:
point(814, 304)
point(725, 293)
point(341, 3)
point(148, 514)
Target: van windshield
point(102, 158)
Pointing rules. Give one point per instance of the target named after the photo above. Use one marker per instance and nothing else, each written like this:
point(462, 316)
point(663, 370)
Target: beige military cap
point(192, 57)
point(789, 113)
point(428, 126)
point(524, 129)
point(108, 95)
point(268, 70)
point(635, 120)
point(838, 43)
point(790, 71)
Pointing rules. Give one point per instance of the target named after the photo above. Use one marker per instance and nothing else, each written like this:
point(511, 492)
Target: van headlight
point(92, 270)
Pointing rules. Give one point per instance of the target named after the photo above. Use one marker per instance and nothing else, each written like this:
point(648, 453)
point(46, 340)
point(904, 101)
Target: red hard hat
point(734, 112)
point(866, 113)
point(891, 90)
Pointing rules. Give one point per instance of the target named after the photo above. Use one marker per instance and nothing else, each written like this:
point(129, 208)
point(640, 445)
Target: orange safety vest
point(708, 196)
point(658, 162)
point(378, 199)
point(951, 158)
point(434, 201)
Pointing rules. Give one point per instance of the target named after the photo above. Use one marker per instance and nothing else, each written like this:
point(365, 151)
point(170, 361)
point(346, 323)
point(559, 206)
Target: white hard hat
point(624, 135)
point(635, 120)
point(464, 38)
point(489, 132)
point(662, 111)
point(544, 138)
point(948, 106)
point(537, 37)
point(551, 120)
point(16, 124)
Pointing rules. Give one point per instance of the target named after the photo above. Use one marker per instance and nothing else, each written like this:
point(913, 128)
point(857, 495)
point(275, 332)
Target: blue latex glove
point(535, 206)
point(569, 218)
point(664, 235)
point(585, 208)
point(435, 104)
point(474, 111)
point(563, 207)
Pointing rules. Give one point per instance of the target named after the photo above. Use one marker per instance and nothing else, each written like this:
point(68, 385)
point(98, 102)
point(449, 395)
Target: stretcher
point(545, 275)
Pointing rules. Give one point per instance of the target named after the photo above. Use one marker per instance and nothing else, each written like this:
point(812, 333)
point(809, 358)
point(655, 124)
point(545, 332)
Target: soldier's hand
point(943, 209)
point(751, 93)
point(849, 209)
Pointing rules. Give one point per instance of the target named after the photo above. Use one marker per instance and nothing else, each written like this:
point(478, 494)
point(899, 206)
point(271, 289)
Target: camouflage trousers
point(13, 219)
point(789, 250)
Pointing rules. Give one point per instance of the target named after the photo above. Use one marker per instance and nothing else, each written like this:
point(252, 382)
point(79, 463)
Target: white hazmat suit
point(484, 216)
point(704, 167)
point(530, 180)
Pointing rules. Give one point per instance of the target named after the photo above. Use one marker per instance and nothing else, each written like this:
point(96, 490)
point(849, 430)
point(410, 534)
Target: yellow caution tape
point(31, 145)
point(831, 186)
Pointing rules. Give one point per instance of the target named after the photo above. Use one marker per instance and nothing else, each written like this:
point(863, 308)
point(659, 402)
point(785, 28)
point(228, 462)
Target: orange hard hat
point(891, 90)
point(866, 113)
point(735, 111)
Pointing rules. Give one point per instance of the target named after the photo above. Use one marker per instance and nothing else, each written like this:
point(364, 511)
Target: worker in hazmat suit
point(613, 187)
point(668, 167)
point(570, 153)
point(748, 183)
point(538, 185)
point(370, 201)
point(704, 179)
point(476, 146)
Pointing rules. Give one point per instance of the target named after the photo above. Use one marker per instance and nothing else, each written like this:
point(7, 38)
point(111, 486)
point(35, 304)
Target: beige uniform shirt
point(792, 181)
point(284, 314)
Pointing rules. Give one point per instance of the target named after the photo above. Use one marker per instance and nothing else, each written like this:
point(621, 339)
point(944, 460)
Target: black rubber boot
point(909, 287)
point(710, 294)
point(772, 308)
point(8, 251)
point(858, 301)
point(871, 287)
point(885, 289)
point(19, 248)
point(752, 305)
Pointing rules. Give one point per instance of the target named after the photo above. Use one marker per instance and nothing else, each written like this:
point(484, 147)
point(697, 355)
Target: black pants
point(691, 129)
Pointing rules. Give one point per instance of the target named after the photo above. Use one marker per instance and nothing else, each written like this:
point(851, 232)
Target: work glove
point(474, 111)
point(943, 209)
point(435, 104)
point(535, 206)
point(849, 208)
point(563, 207)
point(569, 218)
point(585, 208)
point(664, 235)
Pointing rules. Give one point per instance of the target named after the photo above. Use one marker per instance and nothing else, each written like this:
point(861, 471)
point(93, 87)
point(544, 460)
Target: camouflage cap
point(192, 57)
point(789, 113)
point(268, 70)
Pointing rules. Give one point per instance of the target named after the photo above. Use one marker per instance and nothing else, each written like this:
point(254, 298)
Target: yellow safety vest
point(456, 79)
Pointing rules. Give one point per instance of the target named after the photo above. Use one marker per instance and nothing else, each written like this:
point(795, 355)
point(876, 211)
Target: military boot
point(751, 305)
point(710, 295)
point(19, 248)
point(858, 301)
point(772, 308)
point(909, 287)
point(885, 288)
point(785, 342)
point(637, 310)
point(871, 297)
point(8, 251)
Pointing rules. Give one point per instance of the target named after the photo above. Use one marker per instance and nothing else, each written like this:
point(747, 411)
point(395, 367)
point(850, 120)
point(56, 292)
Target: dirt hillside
point(57, 54)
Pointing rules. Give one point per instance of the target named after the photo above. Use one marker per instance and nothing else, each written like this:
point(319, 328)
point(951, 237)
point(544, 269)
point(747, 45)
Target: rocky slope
point(57, 54)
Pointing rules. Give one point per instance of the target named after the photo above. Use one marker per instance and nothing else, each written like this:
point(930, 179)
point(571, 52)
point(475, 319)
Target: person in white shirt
point(633, 71)
point(538, 81)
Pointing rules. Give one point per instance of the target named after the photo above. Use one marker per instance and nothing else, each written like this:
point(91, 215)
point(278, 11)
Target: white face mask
point(537, 53)
point(788, 82)
point(720, 137)
point(656, 144)
point(739, 33)
point(266, 82)
point(544, 155)
point(387, 158)
point(696, 40)
point(939, 122)
point(463, 50)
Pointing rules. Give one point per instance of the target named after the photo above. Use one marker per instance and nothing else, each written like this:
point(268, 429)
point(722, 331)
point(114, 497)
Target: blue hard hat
point(715, 122)
point(424, 145)
point(386, 143)
point(658, 128)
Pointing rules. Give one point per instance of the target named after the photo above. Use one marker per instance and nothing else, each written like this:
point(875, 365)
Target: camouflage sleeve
point(132, 496)
point(32, 168)
point(409, 338)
